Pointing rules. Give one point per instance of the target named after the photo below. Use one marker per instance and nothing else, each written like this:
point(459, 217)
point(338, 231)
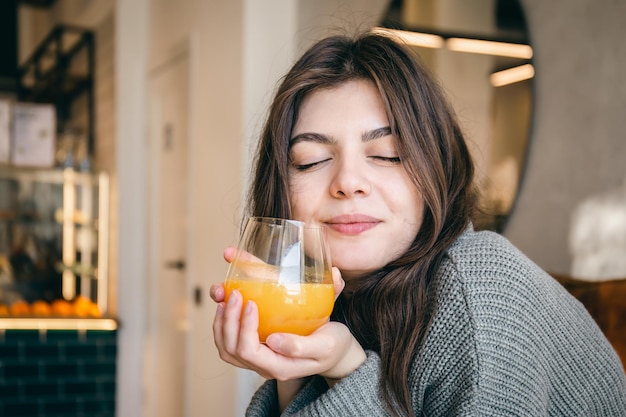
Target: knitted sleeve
point(539, 351)
point(264, 402)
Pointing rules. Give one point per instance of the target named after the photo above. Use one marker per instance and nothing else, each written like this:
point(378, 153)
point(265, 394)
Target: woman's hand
point(331, 351)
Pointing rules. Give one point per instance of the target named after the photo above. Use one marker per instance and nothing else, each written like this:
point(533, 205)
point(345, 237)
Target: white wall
point(131, 42)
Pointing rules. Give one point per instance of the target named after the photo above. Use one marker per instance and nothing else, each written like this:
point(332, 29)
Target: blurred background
point(126, 133)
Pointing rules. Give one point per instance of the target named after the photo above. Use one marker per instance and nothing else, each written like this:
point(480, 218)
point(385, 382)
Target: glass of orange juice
point(284, 267)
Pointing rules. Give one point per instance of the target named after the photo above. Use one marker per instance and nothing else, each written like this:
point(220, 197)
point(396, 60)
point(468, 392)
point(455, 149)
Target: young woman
point(435, 318)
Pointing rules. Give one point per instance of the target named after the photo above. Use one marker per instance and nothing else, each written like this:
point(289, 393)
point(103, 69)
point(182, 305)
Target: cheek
point(407, 202)
point(296, 185)
point(296, 206)
point(301, 195)
point(415, 214)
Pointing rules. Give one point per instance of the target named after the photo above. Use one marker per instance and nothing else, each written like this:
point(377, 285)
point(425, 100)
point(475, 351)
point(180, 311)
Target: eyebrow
point(311, 137)
point(324, 139)
point(381, 132)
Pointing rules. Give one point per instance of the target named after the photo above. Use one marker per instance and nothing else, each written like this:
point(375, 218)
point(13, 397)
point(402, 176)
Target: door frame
point(154, 263)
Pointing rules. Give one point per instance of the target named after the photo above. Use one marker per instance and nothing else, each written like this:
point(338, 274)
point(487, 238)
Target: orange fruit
point(61, 308)
point(4, 310)
point(20, 308)
point(94, 311)
point(82, 306)
point(40, 308)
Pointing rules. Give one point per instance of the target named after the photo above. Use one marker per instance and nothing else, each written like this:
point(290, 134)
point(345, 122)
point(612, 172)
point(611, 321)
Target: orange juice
point(298, 308)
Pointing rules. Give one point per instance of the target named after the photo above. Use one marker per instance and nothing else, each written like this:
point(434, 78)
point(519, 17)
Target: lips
point(352, 224)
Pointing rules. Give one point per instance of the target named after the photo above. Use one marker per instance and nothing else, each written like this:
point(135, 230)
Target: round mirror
point(480, 52)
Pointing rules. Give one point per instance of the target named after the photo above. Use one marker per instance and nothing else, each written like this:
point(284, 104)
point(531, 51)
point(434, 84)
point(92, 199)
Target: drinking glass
point(284, 267)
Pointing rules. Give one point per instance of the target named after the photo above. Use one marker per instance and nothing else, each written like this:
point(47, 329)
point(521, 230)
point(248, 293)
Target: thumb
point(231, 252)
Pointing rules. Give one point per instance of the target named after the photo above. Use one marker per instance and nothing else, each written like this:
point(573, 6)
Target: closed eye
point(392, 160)
point(306, 167)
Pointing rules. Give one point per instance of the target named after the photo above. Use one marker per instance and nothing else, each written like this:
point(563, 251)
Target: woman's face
point(345, 173)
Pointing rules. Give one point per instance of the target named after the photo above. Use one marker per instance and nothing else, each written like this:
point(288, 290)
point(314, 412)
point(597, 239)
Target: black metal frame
point(56, 85)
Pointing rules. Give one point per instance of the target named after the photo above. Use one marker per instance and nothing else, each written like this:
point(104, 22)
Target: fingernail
point(220, 309)
point(274, 341)
point(233, 298)
point(248, 309)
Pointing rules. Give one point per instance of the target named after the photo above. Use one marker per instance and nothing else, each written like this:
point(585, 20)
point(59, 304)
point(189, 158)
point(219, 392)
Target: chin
point(352, 256)
point(356, 269)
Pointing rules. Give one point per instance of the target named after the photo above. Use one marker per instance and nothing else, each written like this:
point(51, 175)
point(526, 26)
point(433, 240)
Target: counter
point(53, 367)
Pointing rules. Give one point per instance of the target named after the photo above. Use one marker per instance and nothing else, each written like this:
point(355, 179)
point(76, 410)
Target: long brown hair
point(388, 311)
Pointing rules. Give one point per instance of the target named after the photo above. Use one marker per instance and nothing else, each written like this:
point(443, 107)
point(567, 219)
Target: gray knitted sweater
point(506, 340)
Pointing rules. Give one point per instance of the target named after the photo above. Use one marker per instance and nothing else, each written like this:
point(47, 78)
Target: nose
point(350, 179)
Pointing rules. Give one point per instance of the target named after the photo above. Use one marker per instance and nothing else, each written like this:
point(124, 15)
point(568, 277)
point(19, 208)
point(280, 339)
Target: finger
point(338, 281)
point(217, 292)
point(319, 344)
point(248, 334)
point(245, 264)
point(230, 253)
point(285, 343)
point(218, 337)
point(295, 358)
point(230, 322)
point(218, 323)
point(218, 327)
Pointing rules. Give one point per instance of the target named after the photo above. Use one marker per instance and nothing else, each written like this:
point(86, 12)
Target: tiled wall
point(56, 373)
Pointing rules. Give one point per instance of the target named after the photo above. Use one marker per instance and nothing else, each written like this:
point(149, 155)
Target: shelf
point(60, 70)
point(45, 323)
point(54, 231)
point(53, 88)
point(14, 220)
point(50, 176)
